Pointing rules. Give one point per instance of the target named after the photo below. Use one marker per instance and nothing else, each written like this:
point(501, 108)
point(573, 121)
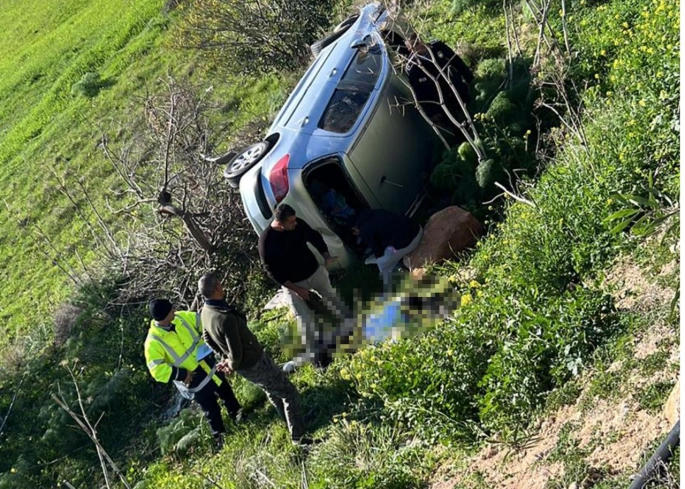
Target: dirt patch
point(635, 290)
point(612, 434)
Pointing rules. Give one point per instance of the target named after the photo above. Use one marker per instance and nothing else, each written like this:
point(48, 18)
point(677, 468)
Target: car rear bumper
point(304, 207)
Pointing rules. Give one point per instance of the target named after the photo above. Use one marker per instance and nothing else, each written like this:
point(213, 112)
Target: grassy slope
point(540, 276)
point(361, 449)
point(44, 127)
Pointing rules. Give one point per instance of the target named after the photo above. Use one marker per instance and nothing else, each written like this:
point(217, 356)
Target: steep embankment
point(542, 328)
point(74, 70)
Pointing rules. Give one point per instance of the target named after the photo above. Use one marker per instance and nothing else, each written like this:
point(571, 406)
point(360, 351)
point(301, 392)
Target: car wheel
point(346, 24)
point(245, 160)
point(339, 30)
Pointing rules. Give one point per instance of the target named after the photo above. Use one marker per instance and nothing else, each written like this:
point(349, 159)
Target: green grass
point(536, 318)
point(46, 128)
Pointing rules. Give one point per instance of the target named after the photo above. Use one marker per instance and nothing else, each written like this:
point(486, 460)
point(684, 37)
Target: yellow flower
point(642, 103)
point(466, 299)
point(345, 374)
point(473, 284)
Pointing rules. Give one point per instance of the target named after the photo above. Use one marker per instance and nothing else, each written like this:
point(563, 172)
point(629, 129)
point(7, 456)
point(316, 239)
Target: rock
point(672, 406)
point(447, 233)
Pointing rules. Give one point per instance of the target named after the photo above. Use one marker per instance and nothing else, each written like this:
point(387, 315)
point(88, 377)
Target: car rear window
point(354, 90)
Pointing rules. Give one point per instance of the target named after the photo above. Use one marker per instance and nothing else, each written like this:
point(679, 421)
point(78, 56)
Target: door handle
point(390, 182)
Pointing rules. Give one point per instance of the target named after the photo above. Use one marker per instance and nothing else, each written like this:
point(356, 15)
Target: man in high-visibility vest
point(175, 351)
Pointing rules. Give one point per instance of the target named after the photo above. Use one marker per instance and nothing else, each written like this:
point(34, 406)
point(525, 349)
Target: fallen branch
point(14, 398)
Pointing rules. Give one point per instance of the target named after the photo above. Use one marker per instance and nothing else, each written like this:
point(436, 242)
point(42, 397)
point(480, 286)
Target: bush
point(89, 85)
point(459, 6)
point(178, 435)
point(502, 117)
point(254, 36)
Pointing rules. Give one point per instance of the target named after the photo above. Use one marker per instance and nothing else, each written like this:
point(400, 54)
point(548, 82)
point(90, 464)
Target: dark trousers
point(207, 399)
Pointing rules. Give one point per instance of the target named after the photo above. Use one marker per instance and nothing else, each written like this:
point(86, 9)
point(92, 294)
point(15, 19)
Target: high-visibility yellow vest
point(164, 349)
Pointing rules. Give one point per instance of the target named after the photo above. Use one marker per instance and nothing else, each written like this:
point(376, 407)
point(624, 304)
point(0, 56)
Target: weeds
point(537, 315)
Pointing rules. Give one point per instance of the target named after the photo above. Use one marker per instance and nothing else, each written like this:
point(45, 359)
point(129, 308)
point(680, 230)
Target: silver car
point(346, 139)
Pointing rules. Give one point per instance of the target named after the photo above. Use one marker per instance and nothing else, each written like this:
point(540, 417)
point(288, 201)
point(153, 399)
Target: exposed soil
point(613, 432)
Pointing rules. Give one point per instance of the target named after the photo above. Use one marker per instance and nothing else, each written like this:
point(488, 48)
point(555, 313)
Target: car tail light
point(278, 178)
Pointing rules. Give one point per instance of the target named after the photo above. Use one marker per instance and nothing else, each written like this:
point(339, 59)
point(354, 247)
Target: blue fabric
point(379, 326)
point(336, 206)
point(203, 351)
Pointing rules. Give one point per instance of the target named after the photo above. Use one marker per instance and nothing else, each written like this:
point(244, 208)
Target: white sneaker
point(289, 367)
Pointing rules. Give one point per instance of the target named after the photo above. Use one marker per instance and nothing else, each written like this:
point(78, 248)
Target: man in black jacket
point(389, 237)
point(289, 261)
point(438, 61)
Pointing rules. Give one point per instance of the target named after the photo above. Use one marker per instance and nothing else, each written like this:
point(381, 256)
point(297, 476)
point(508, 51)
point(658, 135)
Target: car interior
point(337, 201)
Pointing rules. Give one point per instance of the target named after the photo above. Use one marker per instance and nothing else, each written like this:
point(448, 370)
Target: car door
point(394, 148)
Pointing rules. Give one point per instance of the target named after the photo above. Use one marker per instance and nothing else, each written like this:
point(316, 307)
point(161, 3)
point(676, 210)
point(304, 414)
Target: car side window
point(354, 90)
point(365, 67)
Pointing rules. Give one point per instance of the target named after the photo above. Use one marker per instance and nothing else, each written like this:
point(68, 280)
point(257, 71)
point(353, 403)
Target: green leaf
point(622, 214)
point(643, 226)
point(637, 200)
point(674, 302)
point(621, 226)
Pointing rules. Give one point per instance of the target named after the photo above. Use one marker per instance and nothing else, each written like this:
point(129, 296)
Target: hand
point(330, 261)
point(303, 293)
point(189, 378)
point(224, 367)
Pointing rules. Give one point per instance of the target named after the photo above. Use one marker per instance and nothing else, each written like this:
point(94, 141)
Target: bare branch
point(14, 398)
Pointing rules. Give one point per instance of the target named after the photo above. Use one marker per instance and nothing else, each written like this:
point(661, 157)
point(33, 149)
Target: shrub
point(459, 6)
point(253, 36)
point(88, 86)
point(176, 435)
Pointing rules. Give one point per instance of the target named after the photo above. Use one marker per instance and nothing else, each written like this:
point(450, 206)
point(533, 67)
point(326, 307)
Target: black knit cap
point(160, 308)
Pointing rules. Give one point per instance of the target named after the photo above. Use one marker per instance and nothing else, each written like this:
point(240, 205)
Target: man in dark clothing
point(389, 236)
point(227, 334)
point(425, 63)
point(289, 261)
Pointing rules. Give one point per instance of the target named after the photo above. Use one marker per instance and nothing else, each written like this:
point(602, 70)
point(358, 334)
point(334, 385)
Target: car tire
point(244, 160)
point(339, 30)
point(346, 24)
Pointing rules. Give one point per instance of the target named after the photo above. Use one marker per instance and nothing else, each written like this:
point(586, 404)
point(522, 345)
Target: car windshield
point(353, 91)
